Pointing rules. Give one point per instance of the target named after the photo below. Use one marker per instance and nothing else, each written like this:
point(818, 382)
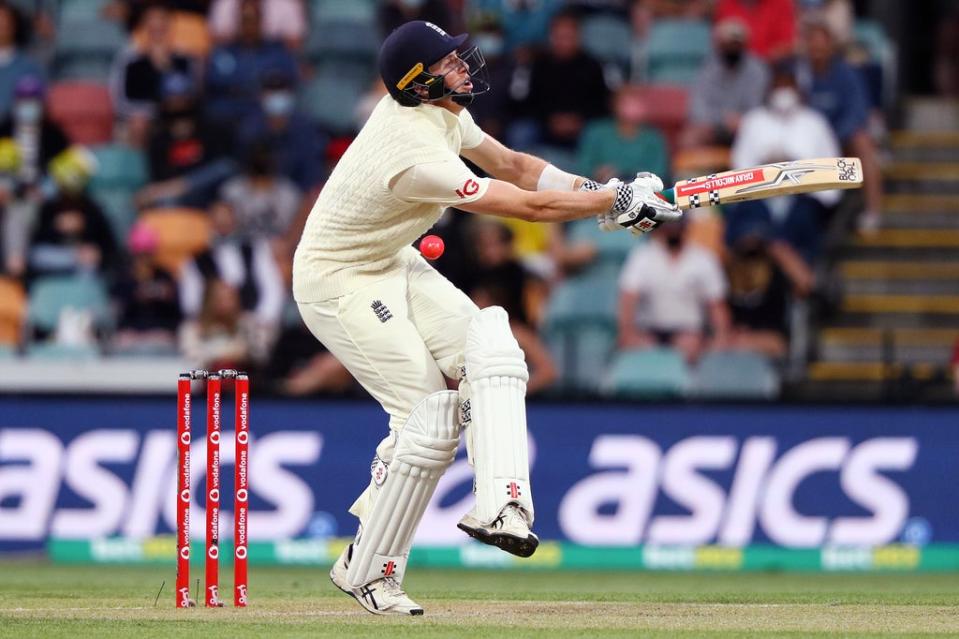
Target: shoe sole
point(416, 612)
point(519, 546)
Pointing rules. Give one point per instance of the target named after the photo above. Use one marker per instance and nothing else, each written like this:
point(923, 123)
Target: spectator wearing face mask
point(493, 110)
point(671, 292)
point(731, 82)
point(785, 129)
point(622, 145)
point(14, 63)
point(295, 143)
point(265, 201)
point(236, 69)
point(34, 140)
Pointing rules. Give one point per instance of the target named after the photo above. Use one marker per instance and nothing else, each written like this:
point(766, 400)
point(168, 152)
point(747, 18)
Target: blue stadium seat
point(353, 10)
point(656, 373)
point(607, 38)
point(334, 40)
point(584, 300)
point(49, 296)
point(581, 353)
point(734, 375)
point(121, 172)
point(85, 46)
point(676, 50)
point(612, 248)
point(331, 95)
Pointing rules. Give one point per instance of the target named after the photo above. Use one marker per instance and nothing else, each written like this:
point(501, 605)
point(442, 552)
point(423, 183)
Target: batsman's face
point(455, 72)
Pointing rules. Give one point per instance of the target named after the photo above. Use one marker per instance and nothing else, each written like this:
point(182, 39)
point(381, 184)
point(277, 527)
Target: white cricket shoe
point(381, 597)
point(509, 531)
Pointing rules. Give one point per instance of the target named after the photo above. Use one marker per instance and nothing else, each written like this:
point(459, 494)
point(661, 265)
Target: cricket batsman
point(400, 327)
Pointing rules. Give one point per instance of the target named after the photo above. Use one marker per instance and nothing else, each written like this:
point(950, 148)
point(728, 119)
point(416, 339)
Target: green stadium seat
point(607, 38)
point(584, 300)
point(340, 40)
point(735, 375)
point(581, 354)
point(49, 296)
point(354, 10)
point(676, 50)
point(656, 373)
point(612, 248)
point(121, 172)
point(330, 97)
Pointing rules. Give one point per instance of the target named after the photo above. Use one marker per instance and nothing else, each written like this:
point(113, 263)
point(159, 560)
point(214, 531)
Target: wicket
point(241, 486)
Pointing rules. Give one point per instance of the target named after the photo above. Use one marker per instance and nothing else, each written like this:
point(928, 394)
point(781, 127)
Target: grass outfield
point(40, 600)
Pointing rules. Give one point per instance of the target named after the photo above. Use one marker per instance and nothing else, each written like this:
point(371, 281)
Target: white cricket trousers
point(398, 337)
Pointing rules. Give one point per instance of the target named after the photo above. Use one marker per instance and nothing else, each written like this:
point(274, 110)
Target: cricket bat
point(769, 180)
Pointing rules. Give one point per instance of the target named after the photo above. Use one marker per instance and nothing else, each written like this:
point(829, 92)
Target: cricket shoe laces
point(381, 597)
point(509, 531)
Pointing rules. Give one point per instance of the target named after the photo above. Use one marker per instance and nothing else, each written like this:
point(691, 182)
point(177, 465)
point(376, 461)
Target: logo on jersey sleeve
point(470, 187)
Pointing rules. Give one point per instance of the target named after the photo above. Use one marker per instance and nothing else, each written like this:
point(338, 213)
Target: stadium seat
point(331, 96)
point(84, 110)
point(656, 373)
point(734, 375)
point(612, 248)
point(354, 10)
point(50, 296)
point(588, 299)
point(676, 50)
point(607, 38)
point(336, 40)
point(121, 172)
point(12, 310)
point(581, 353)
point(181, 234)
point(189, 35)
point(666, 108)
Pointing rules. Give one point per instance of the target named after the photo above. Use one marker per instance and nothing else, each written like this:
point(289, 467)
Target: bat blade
point(769, 180)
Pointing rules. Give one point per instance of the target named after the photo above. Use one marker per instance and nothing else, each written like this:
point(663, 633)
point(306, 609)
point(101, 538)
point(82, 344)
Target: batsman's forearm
point(564, 206)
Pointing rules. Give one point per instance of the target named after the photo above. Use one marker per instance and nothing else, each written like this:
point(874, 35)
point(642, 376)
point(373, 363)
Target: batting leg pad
point(495, 384)
point(425, 448)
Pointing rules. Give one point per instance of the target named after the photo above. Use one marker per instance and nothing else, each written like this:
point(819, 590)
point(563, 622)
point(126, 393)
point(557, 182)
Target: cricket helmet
point(408, 53)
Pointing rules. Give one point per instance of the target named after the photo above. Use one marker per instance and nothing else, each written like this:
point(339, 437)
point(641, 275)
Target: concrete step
point(904, 346)
point(915, 287)
point(920, 203)
point(898, 270)
point(943, 305)
point(837, 372)
point(909, 239)
point(922, 177)
point(925, 146)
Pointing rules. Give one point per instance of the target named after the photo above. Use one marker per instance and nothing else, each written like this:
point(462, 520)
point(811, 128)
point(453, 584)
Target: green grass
point(40, 600)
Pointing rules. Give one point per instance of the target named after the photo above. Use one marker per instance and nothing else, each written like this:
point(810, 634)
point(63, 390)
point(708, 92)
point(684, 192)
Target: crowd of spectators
point(222, 105)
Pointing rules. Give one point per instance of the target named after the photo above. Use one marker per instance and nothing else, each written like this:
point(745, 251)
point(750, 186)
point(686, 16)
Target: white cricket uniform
point(362, 289)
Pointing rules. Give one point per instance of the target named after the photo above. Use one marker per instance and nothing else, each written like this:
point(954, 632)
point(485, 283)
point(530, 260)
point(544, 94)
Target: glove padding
point(607, 219)
point(639, 208)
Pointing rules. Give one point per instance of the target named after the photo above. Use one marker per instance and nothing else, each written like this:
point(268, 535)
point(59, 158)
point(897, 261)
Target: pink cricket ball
point(432, 247)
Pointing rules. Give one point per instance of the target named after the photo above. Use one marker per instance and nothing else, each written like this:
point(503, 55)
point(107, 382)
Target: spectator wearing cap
point(771, 23)
point(14, 63)
point(780, 130)
point(671, 292)
point(296, 144)
point(834, 89)
point(623, 145)
point(283, 20)
point(35, 140)
point(149, 302)
point(189, 154)
point(566, 87)
point(137, 79)
point(731, 82)
point(236, 69)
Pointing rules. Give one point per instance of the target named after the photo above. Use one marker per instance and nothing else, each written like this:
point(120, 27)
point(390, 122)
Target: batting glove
point(605, 220)
point(639, 208)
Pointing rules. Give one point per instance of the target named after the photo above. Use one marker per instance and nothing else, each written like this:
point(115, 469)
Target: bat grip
point(669, 195)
